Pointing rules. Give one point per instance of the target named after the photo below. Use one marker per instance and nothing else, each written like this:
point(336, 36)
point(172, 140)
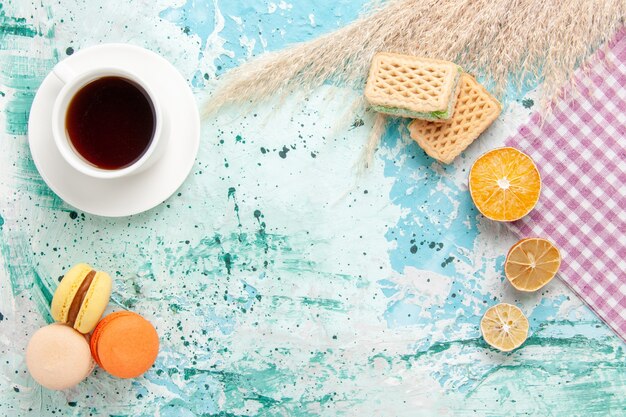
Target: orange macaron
point(124, 344)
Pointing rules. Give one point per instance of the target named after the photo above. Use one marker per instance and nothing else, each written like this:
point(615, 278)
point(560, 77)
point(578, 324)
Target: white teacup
point(74, 81)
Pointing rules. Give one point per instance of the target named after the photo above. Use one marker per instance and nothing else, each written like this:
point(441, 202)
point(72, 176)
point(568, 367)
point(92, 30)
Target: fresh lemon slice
point(504, 184)
point(532, 263)
point(504, 327)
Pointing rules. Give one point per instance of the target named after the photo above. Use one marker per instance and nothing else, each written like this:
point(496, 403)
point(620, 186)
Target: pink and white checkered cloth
point(580, 151)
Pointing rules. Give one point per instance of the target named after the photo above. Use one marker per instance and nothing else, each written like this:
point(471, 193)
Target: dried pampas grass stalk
point(505, 41)
point(494, 38)
point(372, 142)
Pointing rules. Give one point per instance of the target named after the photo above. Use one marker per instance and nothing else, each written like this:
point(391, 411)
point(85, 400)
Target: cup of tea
point(107, 122)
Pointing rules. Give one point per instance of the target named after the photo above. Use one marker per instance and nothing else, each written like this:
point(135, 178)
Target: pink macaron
point(58, 357)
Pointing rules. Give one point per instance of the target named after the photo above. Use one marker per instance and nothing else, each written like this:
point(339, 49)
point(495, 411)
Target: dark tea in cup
point(111, 122)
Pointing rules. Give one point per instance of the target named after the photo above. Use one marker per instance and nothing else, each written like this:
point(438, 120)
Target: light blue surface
point(281, 281)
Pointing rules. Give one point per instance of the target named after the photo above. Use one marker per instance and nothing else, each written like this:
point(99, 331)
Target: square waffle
point(475, 110)
point(408, 86)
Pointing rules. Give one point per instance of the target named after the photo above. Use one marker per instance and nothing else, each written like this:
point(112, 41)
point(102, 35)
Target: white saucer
point(139, 192)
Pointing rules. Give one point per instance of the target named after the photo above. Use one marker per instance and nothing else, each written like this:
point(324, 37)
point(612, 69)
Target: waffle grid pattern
point(415, 84)
point(475, 110)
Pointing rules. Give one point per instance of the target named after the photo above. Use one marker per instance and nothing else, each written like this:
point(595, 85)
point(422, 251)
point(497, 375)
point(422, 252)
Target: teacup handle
point(64, 72)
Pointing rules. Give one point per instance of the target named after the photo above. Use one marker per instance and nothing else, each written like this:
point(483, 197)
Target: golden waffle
point(409, 86)
point(475, 110)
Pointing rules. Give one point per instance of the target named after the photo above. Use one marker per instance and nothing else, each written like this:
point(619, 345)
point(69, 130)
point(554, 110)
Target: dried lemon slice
point(504, 327)
point(504, 184)
point(532, 263)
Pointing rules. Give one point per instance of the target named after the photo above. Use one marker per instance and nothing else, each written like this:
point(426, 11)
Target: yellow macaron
point(81, 297)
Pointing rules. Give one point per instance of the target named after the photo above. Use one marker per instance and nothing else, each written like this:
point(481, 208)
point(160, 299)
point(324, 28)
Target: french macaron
point(124, 344)
point(81, 297)
point(58, 357)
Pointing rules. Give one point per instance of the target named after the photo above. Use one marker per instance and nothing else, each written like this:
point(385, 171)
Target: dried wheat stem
point(378, 128)
point(504, 41)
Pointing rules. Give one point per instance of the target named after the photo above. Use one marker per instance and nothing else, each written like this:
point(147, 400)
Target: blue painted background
point(281, 280)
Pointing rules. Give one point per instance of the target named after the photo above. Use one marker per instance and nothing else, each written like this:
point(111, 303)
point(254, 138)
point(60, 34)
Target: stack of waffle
point(449, 107)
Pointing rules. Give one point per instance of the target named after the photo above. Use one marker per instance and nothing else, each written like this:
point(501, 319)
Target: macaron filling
point(79, 297)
